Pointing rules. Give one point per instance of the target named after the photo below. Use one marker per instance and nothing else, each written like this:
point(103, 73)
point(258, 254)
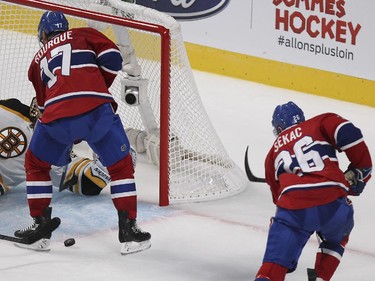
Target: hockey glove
point(357, 179)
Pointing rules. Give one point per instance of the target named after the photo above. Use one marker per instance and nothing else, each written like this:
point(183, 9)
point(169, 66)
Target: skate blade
point(40, 245)
point(134, 247)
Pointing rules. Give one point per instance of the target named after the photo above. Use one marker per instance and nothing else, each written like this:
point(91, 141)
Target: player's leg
point(284, 246)
point(113, 151)
point(43, 151)
point(39, 194)
point(334, 236)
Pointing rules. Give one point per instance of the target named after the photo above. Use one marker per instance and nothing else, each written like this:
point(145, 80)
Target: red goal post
point(180, 140)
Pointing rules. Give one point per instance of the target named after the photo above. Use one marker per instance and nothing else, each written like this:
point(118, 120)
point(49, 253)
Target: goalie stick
point(68, 183)
point(249, 174)
point(61, 185)
point(50, 227)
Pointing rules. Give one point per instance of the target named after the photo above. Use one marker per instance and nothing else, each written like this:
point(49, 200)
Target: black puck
point(69, 242)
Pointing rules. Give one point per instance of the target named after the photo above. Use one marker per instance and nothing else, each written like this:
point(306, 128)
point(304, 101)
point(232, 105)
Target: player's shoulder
point(86, 31)
point(328, 115)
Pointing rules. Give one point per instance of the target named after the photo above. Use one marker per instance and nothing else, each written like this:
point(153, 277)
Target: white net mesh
point(199, 167)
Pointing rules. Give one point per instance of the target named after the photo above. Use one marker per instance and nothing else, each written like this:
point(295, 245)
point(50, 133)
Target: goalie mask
point(286, 115)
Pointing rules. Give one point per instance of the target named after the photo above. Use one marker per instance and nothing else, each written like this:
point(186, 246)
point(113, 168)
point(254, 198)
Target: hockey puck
point(69, 242)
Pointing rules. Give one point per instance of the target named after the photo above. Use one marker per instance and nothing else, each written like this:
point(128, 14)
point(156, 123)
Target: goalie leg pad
point(91, 177)
point(152, 144)
point(136, 139)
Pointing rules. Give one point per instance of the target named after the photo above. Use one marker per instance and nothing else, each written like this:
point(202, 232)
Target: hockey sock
point(328, 259)
point(272, 271)
point(326, 265)
point(39, 185)
point(123, 189)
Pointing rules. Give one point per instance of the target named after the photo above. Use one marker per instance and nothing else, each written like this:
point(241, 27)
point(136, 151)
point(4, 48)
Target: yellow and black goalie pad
point(86, 177)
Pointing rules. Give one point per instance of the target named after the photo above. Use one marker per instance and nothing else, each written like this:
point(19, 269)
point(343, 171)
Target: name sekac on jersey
point(302, 168)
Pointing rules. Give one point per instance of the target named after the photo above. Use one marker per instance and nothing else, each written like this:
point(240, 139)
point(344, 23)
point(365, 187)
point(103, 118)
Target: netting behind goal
point(167, 110)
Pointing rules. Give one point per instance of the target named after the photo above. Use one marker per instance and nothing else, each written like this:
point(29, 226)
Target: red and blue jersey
point(71, 74)
point(302, 168)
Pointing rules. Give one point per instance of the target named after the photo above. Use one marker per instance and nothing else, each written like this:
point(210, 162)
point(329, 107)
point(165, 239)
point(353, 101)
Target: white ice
point(221, 240)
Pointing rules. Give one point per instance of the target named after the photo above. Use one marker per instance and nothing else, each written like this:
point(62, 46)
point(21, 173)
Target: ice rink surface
point(221, 240)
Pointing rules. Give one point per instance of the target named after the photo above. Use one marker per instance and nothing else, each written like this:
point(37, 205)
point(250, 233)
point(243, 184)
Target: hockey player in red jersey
point(310, 191)
point(71, 75)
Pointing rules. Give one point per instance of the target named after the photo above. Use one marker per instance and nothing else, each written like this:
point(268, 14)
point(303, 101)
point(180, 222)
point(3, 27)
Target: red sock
point(326, 265)
point(272, 271)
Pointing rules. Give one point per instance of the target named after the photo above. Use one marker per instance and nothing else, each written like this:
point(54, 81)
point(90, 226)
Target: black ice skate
point(38, 234)
point(131, 237)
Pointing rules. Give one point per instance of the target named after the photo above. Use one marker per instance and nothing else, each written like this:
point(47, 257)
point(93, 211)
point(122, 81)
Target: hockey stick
point(249, 174)
point(15, 239)
point(50, 227)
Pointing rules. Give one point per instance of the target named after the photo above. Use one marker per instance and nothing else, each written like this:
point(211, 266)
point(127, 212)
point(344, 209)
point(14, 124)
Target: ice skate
point(131, 237)
point(40, 245)
point(312, 276)
point(38, 234)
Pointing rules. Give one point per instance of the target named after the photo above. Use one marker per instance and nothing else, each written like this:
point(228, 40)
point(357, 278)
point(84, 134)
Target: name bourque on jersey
point(302, 163)
point(71, 74)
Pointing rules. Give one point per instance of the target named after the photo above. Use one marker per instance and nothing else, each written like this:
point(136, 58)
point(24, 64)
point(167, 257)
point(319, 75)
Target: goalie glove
point(357, 178)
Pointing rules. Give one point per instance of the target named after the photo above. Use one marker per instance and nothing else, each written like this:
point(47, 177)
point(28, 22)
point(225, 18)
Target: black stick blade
point(249, 174)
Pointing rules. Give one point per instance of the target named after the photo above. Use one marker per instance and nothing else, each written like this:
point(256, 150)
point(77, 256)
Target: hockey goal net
point(161, 108)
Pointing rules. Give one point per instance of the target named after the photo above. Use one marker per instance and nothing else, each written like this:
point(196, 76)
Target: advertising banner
point(331, 35)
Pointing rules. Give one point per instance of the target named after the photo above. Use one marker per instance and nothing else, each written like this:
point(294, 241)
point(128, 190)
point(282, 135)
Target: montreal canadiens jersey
point(15, 134)
point(71, 74)
point(302, 168)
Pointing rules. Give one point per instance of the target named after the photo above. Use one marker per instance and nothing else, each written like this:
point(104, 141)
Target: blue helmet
point(286, 115)
point(52, 22)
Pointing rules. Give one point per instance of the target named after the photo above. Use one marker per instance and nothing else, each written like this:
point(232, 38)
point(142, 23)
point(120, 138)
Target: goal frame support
point(164, 79)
